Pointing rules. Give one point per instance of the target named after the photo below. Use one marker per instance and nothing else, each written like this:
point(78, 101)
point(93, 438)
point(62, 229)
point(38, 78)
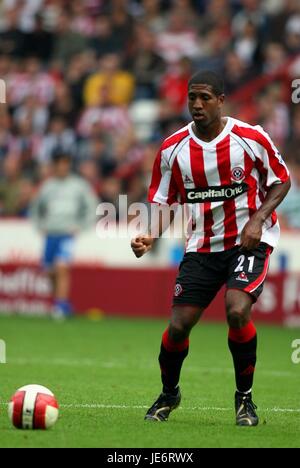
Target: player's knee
point(62, 267)
point(237, 317)
point(179, 331)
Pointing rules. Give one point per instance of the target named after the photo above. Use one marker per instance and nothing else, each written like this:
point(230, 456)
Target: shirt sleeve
point(273, 166)
point(163, 188)
point(87, 206)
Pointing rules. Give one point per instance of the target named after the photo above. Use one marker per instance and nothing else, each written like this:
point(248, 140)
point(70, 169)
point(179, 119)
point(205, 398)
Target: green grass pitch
point(105, 375)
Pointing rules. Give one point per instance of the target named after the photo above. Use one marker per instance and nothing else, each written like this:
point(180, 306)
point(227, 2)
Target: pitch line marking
point(195, 408)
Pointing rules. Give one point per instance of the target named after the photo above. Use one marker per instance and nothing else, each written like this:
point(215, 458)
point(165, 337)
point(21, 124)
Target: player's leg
point(62, 287)
point(48, 259)
point(200, 277)
point(174, 349)
point(247, 273)
point(242, 342)
point(62, 269)
point(175, 344)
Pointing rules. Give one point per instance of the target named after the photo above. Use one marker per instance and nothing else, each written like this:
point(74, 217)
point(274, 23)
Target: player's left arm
point(277, 183)
point(252, 231)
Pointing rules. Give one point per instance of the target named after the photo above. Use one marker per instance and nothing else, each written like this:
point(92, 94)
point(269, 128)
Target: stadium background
point(106, 80)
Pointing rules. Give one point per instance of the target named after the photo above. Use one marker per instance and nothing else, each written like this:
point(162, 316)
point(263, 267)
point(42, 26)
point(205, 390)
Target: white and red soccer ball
point(33, 407)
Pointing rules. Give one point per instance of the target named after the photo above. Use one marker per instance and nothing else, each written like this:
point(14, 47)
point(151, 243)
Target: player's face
point(62, 168)
point(204, 105)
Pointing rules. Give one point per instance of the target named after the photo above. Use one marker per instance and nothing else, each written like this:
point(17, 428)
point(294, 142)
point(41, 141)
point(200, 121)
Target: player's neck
point(210, 132)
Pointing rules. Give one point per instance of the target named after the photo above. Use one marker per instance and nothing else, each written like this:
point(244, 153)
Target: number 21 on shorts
point(242, 260)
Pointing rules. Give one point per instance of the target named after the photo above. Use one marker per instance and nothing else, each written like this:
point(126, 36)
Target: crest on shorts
point(178, 290)
point(237, 174)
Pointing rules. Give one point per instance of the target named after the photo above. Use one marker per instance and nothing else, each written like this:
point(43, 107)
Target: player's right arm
point(141, 245)
point(158, 225)
point(163, 193)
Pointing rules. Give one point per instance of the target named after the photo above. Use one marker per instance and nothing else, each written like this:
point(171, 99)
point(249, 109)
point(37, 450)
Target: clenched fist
point(140, 245)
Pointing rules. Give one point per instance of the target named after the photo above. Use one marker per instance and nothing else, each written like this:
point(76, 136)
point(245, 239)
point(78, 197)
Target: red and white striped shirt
point(223, 182)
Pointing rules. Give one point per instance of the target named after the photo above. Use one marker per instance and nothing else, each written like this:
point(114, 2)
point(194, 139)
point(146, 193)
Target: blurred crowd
point(106, 81)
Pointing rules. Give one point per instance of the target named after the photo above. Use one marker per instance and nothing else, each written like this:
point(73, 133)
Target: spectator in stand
point(252, 11)
point(63, 104)
point(14, 200)
point(110, 78)
point(278, 19)
point(6, 137)
point(6, 65)
point(67, 42)
point(39, 40)
point(153, 16)
point(114, 119)
point(35, 112)
point(174, 85)
point(25, 145)
point(25, 197)
point(214, 47)
point(11, 37)
point(236, 73)
point(104, 41)
point(29, 80)
point(274, 57)
point(59, 137)
point(247, 46)
point(273, 115)
point(146, 65)
point(293, 142)
point(110, 189)
point(179, 40)
point(98, 150)
point(76, 75)
point(82, 22)
point(27, 10)
point(292, 31)
point(135, 189)
point(295, 127)
point(88, 170)
point(122, 24)
point(217, 15)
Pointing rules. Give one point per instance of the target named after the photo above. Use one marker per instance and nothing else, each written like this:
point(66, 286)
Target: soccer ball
point(33, 407)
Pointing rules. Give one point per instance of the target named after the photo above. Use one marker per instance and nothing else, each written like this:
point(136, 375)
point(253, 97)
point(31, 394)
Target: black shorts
point(201, 275)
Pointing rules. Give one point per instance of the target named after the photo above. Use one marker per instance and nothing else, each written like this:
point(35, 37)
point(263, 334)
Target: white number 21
point(241, 260)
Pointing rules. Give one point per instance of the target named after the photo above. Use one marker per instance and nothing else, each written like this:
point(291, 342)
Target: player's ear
point(221, 99)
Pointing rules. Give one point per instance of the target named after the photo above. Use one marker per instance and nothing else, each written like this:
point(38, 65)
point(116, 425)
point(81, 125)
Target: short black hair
point(210, 78)
point(60, 156)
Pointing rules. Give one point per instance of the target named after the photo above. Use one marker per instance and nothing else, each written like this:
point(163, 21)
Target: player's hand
point(251, 234)
point(142, 244)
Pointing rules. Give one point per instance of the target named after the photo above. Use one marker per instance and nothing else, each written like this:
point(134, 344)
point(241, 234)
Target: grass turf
point(105, 375)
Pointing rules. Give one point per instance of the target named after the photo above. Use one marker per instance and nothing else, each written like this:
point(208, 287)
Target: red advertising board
point(135, 292)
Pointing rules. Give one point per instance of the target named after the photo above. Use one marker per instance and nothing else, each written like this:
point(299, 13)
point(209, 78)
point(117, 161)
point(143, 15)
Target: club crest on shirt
point(177, 290)
point(237, 174)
